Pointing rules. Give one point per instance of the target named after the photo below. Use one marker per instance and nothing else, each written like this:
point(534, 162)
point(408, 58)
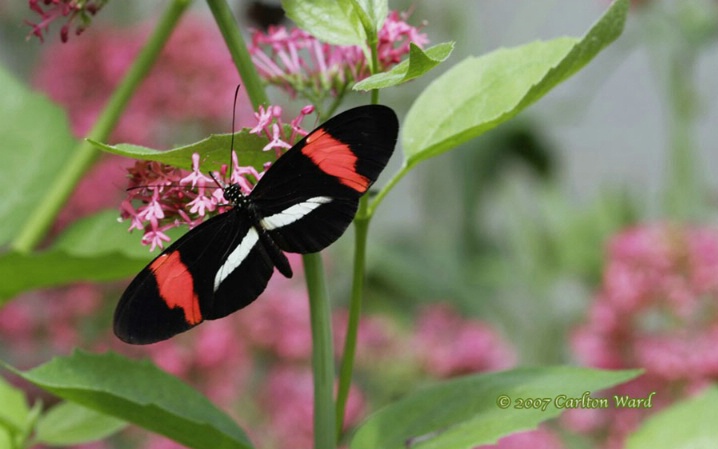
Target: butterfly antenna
point(219, 183)
point(234, 115)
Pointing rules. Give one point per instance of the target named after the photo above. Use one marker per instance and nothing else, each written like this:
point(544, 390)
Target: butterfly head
point(233, 194)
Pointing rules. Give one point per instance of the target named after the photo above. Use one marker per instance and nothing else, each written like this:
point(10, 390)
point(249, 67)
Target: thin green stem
point(85, 154)
point(406, 168)
point(361, 229)
point(373, 45)
point(335, 103)
point(322, 352)
point(683, 194)
point(238, 49)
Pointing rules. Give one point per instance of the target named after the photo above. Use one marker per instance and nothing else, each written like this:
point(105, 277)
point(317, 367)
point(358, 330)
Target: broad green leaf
point(6, 438)
point(213, 151)
point(14, 413)
point(103, 234)
point(465, 412)
point(35, 139)
point(335, 21)
point(94, 249)
point(419, 63)
point(53, 268)
point(690, 424)
point(481, 92)
point(140, 393)
point(68, 423)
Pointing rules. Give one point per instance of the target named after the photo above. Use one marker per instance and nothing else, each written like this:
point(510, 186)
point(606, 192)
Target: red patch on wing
point(336, 159)
point(177, 286)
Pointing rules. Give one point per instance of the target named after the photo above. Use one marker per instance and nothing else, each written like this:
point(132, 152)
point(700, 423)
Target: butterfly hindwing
point(309, 195)
point(179, 288)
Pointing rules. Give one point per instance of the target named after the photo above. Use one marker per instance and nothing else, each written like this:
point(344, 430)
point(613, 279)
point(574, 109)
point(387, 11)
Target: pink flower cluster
point(269, 124)
point(657, 310)
point(188, 88)
point(51, 10)
point(292, 426)
point(296, 61)
point(160, 196)
point(452, 345)
point(39, 325)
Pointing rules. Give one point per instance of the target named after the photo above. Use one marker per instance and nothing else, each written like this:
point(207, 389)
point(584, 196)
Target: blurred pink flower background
point(656, 308)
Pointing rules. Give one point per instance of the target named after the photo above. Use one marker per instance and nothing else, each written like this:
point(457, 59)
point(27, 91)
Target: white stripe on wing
point(293, 213)
point(236, 257)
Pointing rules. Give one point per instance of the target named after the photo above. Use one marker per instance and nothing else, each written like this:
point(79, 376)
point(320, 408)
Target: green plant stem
point(361, 229)
point(684, 191)
point(374, 46)
point(238, 49)
point(322, 352)
point(85, 154)
point(403, 171)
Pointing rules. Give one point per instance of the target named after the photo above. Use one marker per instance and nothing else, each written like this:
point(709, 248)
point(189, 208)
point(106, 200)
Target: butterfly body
point(243, 205)
point(302, 204)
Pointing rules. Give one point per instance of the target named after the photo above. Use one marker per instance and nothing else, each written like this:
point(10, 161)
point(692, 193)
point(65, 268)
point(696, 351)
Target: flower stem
point(683, 196)
point(405, 169)
point(361, 229)
point(85, 154)
point(322, 352)
point(238, 49)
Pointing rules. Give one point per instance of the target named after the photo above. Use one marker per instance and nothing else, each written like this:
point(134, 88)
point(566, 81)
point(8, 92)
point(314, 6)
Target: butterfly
point(302, 204)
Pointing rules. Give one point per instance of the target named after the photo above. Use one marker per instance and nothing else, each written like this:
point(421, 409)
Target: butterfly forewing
point(327, 171)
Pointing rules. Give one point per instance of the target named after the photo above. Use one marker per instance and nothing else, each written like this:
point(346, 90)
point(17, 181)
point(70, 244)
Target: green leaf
point(419, 63)
point(53, 268)
point(213, 151)
point(94, 249)
point(482, 92)
point(376, 10)
point(690, 424)
point(68, 423)
point(14, 414)
point(35, 139)
point(464, 413)
point(6, 438)
point(331, 21)
point(102, 234)
point(140, 393)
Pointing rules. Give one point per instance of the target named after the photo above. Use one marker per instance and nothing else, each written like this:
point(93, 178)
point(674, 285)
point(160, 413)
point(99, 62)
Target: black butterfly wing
point(213, 270)
point(309, 196)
